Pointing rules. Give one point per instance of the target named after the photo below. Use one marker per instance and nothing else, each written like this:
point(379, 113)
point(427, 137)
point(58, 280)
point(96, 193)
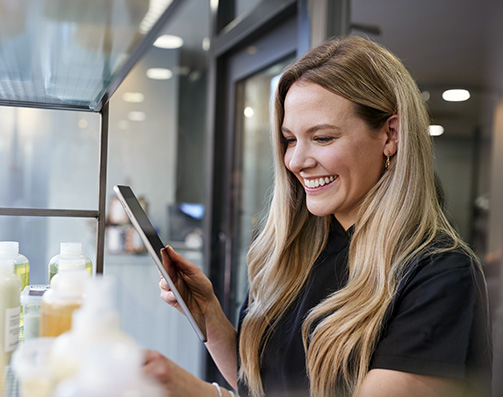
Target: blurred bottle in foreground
point(65, 295)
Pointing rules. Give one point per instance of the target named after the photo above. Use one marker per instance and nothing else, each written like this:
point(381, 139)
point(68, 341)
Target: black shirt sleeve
point(438, 323)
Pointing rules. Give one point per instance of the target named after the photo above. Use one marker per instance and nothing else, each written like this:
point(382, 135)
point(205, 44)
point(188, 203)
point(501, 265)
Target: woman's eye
point(323, 139)
point(288, 141)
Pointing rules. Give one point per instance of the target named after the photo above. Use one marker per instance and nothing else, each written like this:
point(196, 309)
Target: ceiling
point(444, 44)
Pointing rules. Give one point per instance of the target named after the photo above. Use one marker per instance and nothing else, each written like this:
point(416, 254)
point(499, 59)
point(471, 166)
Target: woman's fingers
point(164, 285)
point(181, 263)
point(157, 366)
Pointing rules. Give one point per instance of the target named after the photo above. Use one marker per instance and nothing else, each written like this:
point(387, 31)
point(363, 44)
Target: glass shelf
point(72, 53)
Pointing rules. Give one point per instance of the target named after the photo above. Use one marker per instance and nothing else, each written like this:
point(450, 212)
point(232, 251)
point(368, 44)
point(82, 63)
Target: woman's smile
point(313, 184)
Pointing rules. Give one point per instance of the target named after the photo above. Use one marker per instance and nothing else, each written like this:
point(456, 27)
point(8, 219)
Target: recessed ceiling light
point(168, 41)
point(435, 130)
point(133, 97)
point(456, 95)
point(159, 74)
point(136, 116)
point(249, 112)
point(206, 43)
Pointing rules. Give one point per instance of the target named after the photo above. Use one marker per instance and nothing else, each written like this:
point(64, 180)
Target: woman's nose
point(298, 158)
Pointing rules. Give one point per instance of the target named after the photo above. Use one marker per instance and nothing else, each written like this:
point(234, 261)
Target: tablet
point(154, 245)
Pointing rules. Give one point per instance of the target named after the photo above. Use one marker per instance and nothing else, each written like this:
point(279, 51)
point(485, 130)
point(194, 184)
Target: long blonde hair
point(398, 218)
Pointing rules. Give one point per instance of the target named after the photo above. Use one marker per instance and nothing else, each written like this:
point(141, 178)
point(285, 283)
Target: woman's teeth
point(313, 183)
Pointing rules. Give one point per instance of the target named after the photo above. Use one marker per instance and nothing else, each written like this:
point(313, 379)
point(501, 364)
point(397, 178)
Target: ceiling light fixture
point(133, 97)
point(206, 43)
point(159, 74)
point(249, 112)
point(435, 130)
point(456, 95)
point(155, 10)
point(168, 41)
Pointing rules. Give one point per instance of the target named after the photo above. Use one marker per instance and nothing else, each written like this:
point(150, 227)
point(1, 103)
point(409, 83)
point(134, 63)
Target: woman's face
point(331, 151)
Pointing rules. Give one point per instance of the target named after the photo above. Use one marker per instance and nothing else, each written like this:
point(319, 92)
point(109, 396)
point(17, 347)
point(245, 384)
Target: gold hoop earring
point(387, 164)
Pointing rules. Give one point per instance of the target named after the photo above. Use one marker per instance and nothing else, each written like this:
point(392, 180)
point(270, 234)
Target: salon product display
point(68, 250)
point(94, 358)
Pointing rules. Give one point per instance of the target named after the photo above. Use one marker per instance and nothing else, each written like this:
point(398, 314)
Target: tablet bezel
point(154, 244)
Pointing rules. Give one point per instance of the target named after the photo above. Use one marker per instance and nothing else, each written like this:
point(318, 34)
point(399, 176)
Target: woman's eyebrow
point(314, 128)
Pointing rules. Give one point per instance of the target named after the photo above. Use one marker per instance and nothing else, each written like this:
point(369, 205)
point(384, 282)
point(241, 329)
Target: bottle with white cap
point(63, 297)
point(10, 306)
point(68, 250)
point(10, 249)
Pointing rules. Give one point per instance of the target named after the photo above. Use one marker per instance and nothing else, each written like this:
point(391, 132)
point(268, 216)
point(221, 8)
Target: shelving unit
point(73, 55)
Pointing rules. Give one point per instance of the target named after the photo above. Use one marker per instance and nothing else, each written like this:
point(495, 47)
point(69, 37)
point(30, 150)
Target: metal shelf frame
point(101, 106)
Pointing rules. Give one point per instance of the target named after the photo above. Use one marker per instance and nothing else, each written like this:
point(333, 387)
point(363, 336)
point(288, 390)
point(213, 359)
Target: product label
point(37, 290)
point(11, 328)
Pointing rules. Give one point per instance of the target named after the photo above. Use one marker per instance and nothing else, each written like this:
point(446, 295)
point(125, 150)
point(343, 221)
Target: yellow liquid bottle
point(63, 297)
point(56, 316)
point(72, 250)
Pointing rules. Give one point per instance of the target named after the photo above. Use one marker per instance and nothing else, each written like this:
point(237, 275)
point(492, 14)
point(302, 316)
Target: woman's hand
point(197, 292)
point(174, 380)
point(192, 284)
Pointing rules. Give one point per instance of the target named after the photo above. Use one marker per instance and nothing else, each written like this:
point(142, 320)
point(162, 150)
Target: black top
point(437, 324)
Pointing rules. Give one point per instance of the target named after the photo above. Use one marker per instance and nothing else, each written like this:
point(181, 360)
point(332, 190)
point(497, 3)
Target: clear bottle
point(31, 297)
point(10, 249)
point(10, 307)
point(96, 321)
point(63, 297)
point(68, 250)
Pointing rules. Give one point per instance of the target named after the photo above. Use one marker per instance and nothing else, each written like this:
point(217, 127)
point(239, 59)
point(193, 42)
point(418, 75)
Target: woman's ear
point(392, 128)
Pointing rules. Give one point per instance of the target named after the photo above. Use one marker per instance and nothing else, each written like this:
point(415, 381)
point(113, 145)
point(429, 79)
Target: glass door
point(254, 73)
point(255, 171)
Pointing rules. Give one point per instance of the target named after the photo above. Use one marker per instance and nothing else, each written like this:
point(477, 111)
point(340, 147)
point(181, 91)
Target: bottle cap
point(6, 265)
point(9, 247)
point(70, 249)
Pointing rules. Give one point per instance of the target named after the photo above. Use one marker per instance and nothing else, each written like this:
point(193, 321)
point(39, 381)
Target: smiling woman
point(359, 285)
point(332, 151)
point(361, 264)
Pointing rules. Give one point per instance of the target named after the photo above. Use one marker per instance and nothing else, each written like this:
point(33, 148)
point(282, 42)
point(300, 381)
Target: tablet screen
point(154, 245)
